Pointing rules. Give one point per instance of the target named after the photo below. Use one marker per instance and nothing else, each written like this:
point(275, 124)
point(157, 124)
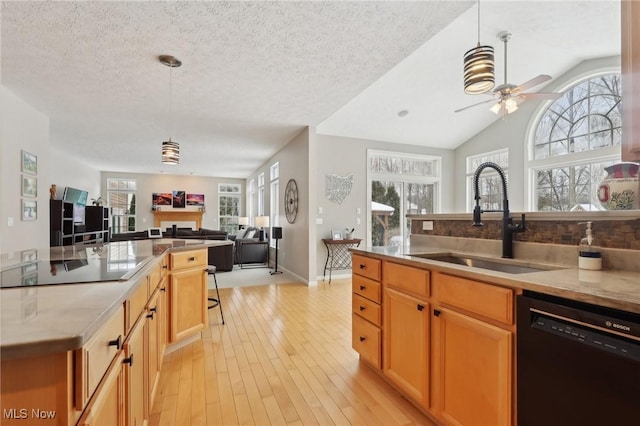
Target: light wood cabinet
point(107, 407)
point(474, 370)
point(630, 44)
point(187, 294)
point(406, 344)
point(366, 333)
point(134, 370)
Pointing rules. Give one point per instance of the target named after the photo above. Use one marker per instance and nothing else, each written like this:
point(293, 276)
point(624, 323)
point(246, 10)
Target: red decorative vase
point(619, 189)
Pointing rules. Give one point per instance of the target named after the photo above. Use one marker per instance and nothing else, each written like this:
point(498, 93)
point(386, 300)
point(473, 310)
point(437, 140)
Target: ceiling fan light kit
point(479, 67)
point(170, 149)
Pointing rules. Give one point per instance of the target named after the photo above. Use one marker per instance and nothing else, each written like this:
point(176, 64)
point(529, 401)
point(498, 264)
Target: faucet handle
point(521, 225)
point(477, 221)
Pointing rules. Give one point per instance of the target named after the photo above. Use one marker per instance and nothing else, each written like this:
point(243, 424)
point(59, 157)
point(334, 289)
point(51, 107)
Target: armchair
point(247, 249)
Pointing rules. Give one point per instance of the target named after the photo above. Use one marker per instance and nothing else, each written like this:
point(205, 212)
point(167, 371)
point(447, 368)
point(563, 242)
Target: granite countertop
point(614, 289)
point(61, 317)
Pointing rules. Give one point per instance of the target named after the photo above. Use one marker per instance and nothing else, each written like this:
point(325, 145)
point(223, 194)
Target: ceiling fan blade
point(479, 103)
point(540, 95)
point(531, 83)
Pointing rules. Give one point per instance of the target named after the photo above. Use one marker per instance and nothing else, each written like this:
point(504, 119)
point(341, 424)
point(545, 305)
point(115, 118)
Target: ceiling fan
point(509, 95)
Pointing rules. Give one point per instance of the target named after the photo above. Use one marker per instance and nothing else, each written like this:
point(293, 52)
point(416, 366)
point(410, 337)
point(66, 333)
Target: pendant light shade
point(170, 152)
point(170, 149)
point(479, 67)
point(479, 70)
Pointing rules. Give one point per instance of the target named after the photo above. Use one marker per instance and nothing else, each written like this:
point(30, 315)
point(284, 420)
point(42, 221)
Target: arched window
point(575, 137)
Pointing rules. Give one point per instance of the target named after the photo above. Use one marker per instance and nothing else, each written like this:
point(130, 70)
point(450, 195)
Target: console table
point(338, 255)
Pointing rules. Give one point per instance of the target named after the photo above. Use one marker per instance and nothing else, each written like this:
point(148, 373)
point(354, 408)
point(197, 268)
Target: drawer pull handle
point(420, 307)
point(192, 259)
point(155, 309)
point(436, 312)
point(363, 266)
point(163, 289)
point(362, 287)
point(362, 308)
point(128, 361)
point(115, 342)
point(150, 315)
point(164, 266)
point(362, 338)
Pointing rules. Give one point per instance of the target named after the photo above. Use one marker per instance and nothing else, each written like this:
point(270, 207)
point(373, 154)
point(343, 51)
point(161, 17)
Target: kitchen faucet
point(508, 227)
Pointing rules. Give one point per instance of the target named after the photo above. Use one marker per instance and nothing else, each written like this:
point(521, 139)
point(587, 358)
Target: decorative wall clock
point(291, 200)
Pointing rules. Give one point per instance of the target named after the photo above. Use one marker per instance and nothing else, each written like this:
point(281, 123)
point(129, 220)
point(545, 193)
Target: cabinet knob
point(436, 312)
point(115, 342)
point(362, 338)
point(362, 308)
point(192, 259)
point(362, 287)
point(362, 266)
point(128, 361)
point(164, 266)
point(420, 307)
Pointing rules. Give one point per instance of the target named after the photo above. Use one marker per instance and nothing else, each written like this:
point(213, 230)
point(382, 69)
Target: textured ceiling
point(255, 73)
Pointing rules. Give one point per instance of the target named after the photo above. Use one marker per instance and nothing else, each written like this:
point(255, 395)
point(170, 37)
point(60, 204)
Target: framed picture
point(29, 163)
point(195, 200)
point(29, 186)
point(29, 209)
point(29, 256)
point(179, 199)
point(336, 234)
point(162, 198)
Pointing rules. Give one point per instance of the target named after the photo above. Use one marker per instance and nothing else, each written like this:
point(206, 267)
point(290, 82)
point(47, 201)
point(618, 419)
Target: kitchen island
point(88, 349)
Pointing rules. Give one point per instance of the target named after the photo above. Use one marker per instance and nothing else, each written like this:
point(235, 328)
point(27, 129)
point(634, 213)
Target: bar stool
point(211, 270)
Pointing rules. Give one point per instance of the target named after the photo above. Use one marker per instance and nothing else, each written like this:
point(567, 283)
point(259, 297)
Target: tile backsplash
point(617, 234)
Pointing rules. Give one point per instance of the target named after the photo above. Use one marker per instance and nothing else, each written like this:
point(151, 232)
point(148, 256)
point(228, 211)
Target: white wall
point(294, 160)
point(147, 184)
point(69, 171)
point(512, 133)
point(343, 156)
point(23, 128)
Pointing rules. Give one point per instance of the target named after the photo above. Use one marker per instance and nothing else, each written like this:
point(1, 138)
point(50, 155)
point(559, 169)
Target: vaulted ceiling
point(256, 73)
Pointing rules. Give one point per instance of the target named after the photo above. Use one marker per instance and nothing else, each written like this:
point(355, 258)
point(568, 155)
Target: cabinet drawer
point(366, 288)
point(406, 278)
point(93, 359)
point(366, 267)
point(365, 339)
point(189, 259)
point(367, 309)
point(489, 301)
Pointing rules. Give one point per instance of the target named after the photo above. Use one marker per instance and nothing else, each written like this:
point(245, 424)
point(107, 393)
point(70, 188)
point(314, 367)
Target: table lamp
point(243, 221)
point(262, 222)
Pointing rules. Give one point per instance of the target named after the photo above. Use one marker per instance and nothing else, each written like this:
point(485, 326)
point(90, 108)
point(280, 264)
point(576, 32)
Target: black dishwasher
point(578, 364)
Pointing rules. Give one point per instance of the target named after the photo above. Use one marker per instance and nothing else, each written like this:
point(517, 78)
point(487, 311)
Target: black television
point(75, 196)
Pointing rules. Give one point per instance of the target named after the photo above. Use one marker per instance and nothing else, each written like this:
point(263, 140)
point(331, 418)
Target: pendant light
point(170, 149)
point(479, 67)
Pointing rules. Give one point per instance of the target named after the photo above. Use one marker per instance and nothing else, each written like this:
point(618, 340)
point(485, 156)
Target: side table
point(338, 256)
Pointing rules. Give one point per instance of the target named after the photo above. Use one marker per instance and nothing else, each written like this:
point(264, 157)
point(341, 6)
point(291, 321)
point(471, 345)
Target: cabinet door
point(163, 318)
point(474, 370)
point(107, 404)
point(187, 303)
point(134, 369)
point(405, 340)
point(152, 346)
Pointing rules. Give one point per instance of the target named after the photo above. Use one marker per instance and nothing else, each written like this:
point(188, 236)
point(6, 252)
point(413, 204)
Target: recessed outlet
point(319, 221)
point(427, 225)
point(9, 221)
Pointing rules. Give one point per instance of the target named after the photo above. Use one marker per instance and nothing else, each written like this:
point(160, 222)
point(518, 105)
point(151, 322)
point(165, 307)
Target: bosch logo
point(608, 324)
point(622, 327)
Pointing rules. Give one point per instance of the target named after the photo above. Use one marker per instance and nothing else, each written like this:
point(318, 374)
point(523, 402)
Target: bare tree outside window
point(586, 119)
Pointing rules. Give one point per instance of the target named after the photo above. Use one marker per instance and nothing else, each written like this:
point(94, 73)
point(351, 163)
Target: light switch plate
point(318, 221)
point(9, 221)
point(427, 225)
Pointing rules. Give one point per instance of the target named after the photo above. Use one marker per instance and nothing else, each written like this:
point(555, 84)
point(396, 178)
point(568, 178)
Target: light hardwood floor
point(284, 357)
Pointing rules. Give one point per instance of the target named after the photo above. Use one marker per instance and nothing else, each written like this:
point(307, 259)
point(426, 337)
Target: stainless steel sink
point(508, 268)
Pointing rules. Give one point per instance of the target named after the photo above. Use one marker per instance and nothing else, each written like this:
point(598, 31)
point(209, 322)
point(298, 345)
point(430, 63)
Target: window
point(228, 206)
point(576, 137)
point(251, 207)
point(399, 184)
point(260, 194)
point(274, 204)
point(489, 184)
point(121, 196)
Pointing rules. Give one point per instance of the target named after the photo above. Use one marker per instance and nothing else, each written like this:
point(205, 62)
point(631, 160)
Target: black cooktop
point(76, 271)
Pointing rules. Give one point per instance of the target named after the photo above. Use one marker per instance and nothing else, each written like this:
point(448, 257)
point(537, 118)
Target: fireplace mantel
point(160, 216)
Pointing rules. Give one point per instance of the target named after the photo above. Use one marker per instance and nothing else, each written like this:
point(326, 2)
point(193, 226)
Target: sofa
point(250, 253)
point(222, 257)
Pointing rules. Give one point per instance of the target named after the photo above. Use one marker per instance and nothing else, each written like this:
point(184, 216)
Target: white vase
point(619, 189)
